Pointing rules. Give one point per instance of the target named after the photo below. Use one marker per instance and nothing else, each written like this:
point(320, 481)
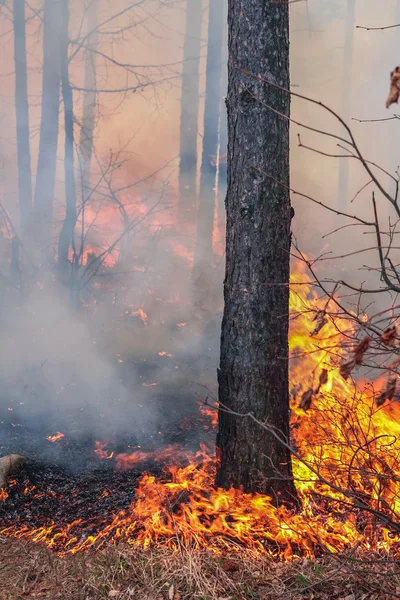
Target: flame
point(100, 452)
point(140, 313)
point(350, 453)
point(55, 437)
point(3, 494)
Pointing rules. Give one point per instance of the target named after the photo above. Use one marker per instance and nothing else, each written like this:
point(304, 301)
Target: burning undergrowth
point(346, 449)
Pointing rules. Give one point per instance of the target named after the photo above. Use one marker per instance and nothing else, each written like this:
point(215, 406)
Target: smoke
point(107, 372)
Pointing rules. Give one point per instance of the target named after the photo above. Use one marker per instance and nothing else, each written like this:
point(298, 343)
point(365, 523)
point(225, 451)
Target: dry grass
point(32, 571)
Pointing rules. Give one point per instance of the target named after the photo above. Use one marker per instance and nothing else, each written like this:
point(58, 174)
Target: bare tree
point(253, 374)
point(90, 96)
point(205, 217)
point(22, 114)
point(348, 51)
point(68, 228)
point(47, 160)
point(190, 109)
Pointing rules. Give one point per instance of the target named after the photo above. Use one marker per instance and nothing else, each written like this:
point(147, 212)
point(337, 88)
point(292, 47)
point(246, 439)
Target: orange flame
point(55, 437)
point(343, 439)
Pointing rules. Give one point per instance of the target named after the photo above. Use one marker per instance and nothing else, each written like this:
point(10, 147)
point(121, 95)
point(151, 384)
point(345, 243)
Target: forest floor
point(32, 571)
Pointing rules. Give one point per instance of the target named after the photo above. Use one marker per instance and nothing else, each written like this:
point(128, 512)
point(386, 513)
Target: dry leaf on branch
point(323, 378)
point(321, 320)
point(306, 399)
point(362, 348)
point(389, 391)
point(394, 91)
point(346, 366)
point(389, 337)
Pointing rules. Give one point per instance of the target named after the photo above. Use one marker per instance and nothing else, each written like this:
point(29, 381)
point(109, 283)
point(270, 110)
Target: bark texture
point(47, 161)
point(253, 374)
point(68, 227)
point(190, 109)
point(205, 217)
point(22, 115)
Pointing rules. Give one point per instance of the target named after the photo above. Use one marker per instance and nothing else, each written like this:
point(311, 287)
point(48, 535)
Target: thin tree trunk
point(190, 110)
point(90, 97)
point(68, 228)
point(47, 161)
point(22, 115)
point(253, 374)
point(350, 24)
point(205, 218)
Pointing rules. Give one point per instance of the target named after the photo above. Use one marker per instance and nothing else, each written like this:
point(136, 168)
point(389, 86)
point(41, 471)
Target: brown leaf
point(389, 337)
point(323, 378)
point(362, 348)
point(321, 320)
point(389, 391)
point(394, 91)
point(346, 366)
point(306, 398)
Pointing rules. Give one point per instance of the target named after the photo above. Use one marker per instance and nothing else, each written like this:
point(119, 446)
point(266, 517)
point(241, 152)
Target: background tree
point(22, 114)
point(68, 227)
point(190, 109)
point(205, 217)
point(90, 96)
point(348, 51)
point(253, 374)
point(47, 160)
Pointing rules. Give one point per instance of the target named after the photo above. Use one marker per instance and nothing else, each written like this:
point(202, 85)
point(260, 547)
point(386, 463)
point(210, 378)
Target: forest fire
point(346, 452)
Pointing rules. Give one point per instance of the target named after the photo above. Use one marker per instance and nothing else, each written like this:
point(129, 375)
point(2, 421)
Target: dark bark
point(47, 160)
point(190, 110)
point(348, 51)
point(205, 218)
point(253, 374)
point(22, 115)
point(68, 228)
point(223, 130)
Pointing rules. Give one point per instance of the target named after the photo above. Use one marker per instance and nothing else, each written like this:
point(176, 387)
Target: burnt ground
point(65, 480)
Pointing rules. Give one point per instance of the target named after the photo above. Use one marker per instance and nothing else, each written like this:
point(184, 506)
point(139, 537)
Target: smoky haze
point(120, 345)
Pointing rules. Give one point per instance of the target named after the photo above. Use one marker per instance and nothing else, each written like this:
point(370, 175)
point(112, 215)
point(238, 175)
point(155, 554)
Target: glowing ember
point(165, 354)
point(100, 452)
point(3, 494)
point(56, 437)
point(140, 313)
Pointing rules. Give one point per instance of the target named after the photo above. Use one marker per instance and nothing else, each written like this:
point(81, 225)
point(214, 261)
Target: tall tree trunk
point(47, 161)
point(190, 110)
point(205, 218)
point(223, 129)
point(68, 228)
point(22, 115)
point(348, 51)
point(90, 97)
point(253, 374)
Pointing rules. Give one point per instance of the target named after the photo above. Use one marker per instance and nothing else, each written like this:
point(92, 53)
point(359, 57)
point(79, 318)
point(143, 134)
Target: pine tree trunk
point(90, 98)
point(68, 228)
point(205, 217)
point(223, 130)
point(253, 374)
point(190, 110)
point(348, 51)
point(47, 161)
point(22, 115)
